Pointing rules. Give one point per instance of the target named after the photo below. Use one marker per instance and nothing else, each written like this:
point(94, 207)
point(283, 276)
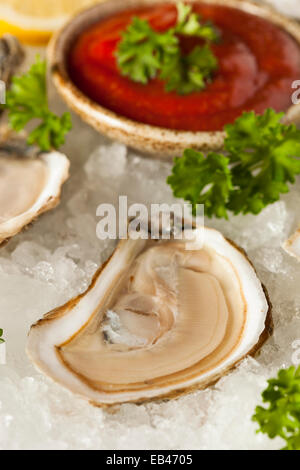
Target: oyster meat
point(30, 184)
point(158, 320)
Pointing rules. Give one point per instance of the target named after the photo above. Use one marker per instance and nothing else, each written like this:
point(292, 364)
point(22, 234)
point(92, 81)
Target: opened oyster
point(157, 320)
point(30, 183)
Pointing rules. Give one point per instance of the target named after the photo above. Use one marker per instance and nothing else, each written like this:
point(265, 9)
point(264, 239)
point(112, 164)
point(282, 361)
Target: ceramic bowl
point(160, 142)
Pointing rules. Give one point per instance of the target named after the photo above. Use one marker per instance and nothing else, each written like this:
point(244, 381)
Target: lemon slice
point(34, 21)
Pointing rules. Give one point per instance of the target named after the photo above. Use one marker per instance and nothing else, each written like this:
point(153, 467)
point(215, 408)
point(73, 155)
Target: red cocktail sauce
point(257, 64)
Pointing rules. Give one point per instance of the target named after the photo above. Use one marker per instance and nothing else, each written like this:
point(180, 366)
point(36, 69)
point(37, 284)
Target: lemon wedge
point(34, 21)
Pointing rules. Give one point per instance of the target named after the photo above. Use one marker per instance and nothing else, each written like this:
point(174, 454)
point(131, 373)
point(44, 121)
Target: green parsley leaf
point(143, 53)
point(27, 100)
point(1, 334)
point(265, 155)
point(141, 50)
point(189, 24)
point(202, 180)
point(262, 156)
point(186, 74)
point(282, 415)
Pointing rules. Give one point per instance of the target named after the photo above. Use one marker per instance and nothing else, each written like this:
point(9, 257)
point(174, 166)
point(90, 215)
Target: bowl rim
point(145, 137)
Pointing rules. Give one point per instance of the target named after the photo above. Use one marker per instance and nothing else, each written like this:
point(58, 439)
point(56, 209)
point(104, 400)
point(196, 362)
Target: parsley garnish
point(261, 158)
point(1, 334)
point(143, 53)
point(282, 415)
point(27, 100)
point(193, 172)
point(189, 24)
point(142, 50)
point(188, 73)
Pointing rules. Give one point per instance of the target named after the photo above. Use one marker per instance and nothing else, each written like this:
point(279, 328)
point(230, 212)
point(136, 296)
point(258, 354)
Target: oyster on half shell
point(157, 320)
point(30, 183)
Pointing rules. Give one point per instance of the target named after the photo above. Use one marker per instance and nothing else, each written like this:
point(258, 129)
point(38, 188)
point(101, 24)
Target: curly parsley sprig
point(282, 415)
point(27, 100)
point(143, 53)
point(2, 340)
point(261, 158)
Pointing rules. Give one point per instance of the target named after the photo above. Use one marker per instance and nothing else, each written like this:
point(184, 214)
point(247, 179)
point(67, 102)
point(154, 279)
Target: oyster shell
point(157, 320)
point(11, 56)
point(30, 184)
